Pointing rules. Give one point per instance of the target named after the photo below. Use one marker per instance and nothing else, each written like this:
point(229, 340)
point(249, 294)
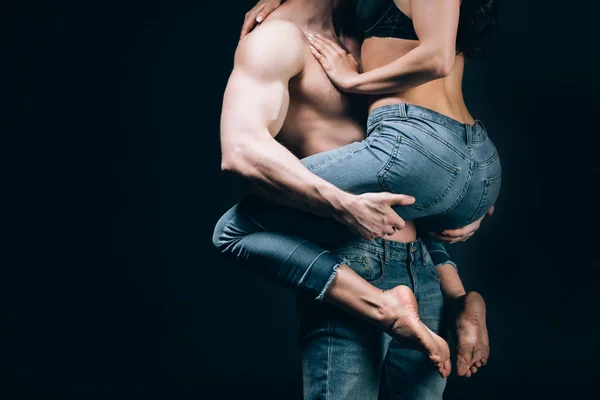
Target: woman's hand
point(340, 66)
point(257, 14)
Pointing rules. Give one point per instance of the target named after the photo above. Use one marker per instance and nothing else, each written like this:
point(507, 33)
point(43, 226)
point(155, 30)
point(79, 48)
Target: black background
point(110, 120)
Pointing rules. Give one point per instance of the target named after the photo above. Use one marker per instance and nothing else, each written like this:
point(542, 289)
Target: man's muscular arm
point(254, 108)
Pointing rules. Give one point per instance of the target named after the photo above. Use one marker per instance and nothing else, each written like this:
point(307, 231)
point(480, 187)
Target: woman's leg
point(253, 230)
point(294, 262)
point(288, 245)
point(341, 354)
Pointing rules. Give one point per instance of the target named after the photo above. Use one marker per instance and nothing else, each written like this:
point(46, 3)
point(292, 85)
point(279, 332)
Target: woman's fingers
point(320, 46)
point(329, 45)
point(250, 20)
point(319, 57)
point(333, 45)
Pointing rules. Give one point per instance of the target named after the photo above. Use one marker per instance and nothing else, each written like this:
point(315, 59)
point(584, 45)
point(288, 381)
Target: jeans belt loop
point(402, 111)
point(386, 248)
point(469, 131)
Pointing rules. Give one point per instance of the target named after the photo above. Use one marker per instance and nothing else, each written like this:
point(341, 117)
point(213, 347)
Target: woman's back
point(442, 95)
point(390, 34)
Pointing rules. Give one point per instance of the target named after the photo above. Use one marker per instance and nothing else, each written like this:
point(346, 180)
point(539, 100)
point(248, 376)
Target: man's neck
point(310, 15)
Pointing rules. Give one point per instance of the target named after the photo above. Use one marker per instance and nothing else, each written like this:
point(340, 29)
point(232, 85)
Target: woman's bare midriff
point(442, 95)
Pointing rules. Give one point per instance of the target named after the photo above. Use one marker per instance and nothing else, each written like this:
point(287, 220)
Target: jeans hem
point(449, 262)
point(321, 295)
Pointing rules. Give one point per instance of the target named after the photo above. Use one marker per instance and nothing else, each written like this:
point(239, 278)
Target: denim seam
point(411, 271)
point(311, 264)
point(386, 168)
point(463, 193)
point(488, 183)
point(388, 164)
point(347, 259)
point(488, 162)
point(430, 155)
point(484, 136)
point(328, 162)
point(440, 139)
point(432, 273)
point(290, 256)
point(423, 207)
point(447, 262)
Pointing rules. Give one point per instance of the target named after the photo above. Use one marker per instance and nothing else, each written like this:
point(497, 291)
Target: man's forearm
point(279, 176)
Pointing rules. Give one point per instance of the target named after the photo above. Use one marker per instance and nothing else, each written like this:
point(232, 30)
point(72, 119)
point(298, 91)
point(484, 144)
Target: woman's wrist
point(352, 84)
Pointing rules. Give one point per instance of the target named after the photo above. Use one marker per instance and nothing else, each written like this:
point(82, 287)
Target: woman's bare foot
point(471, 335)
point(401, 316)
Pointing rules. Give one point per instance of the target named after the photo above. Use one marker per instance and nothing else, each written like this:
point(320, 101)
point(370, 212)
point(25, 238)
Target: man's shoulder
point(277, 31)
point(275, 45)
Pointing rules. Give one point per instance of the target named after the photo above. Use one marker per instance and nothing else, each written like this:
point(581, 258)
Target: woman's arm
point(436, 25)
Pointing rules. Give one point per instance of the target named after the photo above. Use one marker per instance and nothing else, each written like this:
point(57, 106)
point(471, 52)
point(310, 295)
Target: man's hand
point(371, 216)
point(462, 234)
point(257, 14)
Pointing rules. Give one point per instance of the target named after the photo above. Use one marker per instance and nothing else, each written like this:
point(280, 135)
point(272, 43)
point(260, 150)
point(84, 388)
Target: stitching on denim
point(483, 138)
point(349, 258)
point(488, 162)
point(447, 262)
point(429, 154)
point(486, 189)
point(310, 266)
point(388, 165)
point(341, 157)
point(383, 272)
point(290, 256)
point(463, 193)
point(441, 139)
point(437, 199)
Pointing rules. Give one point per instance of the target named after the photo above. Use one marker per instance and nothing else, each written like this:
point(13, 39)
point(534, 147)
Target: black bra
point(380, 19)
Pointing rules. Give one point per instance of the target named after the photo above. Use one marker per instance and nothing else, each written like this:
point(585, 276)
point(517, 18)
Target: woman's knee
point(222, 235)
point(231, 228)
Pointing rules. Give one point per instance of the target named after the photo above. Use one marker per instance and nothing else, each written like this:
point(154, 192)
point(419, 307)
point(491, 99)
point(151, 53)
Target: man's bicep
point(257, 94)
point(253, 105)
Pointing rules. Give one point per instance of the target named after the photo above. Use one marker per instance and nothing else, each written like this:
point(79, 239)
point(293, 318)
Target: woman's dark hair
point(477, 25)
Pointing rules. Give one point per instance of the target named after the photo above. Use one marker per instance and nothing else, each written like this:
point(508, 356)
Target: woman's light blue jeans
point(451, 168)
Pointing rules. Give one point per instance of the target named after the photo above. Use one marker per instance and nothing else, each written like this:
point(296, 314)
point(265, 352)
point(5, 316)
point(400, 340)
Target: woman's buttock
point(452, 169)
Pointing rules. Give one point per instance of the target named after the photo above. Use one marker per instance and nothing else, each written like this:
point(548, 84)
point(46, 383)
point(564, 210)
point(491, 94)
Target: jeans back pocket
point(491, 191)
point(421, 172)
